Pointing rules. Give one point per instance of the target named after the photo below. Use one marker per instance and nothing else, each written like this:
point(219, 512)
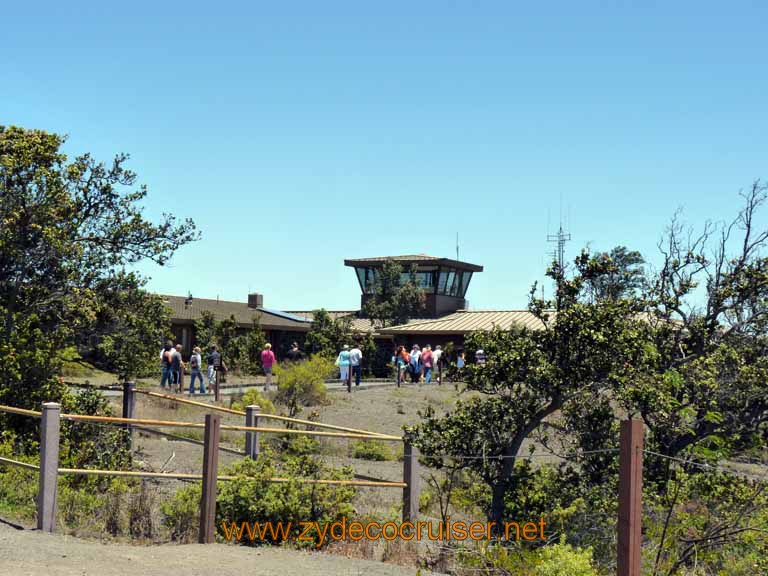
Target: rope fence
point(261, 415)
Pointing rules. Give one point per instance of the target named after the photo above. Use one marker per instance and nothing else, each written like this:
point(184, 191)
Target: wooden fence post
point(129, 408)
point(49, 466)
point(349, 378)
point(210, 472)
point(217, 380)
point(252, 438)
point(411, 478)
point(630, 498)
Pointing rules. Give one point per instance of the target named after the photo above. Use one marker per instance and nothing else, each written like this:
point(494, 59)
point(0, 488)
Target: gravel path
point(28, 552)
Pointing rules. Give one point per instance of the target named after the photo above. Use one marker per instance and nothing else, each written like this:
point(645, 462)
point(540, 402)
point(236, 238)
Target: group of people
point(418, 363)
point(350, 359)
point(173, 368)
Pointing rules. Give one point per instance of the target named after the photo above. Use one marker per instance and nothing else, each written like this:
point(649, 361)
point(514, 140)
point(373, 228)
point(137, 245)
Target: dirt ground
point(29, 552)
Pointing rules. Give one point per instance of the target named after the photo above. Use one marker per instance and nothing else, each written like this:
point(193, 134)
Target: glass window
point(361, 277)
point(465, 283)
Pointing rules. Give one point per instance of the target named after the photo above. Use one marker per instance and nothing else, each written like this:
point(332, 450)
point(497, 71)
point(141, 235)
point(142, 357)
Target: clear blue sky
point(300, 133)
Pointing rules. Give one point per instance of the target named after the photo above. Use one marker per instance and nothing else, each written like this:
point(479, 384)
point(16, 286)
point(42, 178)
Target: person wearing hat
point(342, 361)
point(438, 351)
point(195, 369)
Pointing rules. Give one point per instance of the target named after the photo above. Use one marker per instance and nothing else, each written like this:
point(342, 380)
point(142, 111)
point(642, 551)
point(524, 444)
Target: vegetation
point(303, 383)
point(253, 498)
point(371, 450)
point(394, 301)
point(254, 398)
point(69, 229)
point(241, 349)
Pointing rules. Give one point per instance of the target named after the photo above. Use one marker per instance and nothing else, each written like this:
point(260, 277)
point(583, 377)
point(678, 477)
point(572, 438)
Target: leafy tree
point(241, 349)
point(327, 335)
point(130, 327)
point(704, 394)
point(394, 301)
point(588, 347)
point(622, 276)
point(69, 228)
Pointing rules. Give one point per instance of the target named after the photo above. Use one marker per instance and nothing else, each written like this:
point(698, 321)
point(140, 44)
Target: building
point(446, 318)
point(280, 328)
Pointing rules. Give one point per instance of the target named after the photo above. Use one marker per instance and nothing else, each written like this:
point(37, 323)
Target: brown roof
point(414, 259)
point(465, 321)
point(223, 309)
point(358, 324)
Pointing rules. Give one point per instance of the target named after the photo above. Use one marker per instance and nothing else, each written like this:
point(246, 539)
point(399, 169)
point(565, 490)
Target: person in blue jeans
point(166, 359)
point(355, 362)
point(195, 364)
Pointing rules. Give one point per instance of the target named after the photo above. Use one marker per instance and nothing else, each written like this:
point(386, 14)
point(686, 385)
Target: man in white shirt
point(436, 353)
point(355, 361)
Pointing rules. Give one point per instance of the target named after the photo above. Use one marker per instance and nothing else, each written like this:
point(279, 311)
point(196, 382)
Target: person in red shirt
point(426, 363)
point(268, 360)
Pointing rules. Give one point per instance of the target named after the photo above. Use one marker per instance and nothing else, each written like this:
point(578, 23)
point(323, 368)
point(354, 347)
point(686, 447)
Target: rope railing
point(200, 425)
point(261, 414)
point(188, 476)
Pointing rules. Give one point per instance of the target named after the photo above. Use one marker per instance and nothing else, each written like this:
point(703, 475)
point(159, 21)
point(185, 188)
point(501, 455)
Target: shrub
point(254, 398)
point(371, 450)
point(18, 486)
point(303, 383)
point(553, 560)
point(253, 498)
point(181, 514)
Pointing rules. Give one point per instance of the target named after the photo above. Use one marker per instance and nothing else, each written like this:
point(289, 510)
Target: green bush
point(18, 486)
point(254, 398)
point(253, 498)
point(553, 560)
point(181, 514)
point(303, 383)
point(371, 450)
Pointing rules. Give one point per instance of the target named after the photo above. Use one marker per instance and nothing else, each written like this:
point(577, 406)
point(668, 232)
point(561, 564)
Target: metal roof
point(414, 259)
point(358, 324)
point(465, 321)
point(224, 309)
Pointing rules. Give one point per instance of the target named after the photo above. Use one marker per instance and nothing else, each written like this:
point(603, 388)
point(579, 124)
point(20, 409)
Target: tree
point(69, 229)
point(623, 274)
point(303, 383)
point(707, 310)
point(586, 348)
point(327, 335)
point(130, 327)
point(240, 348)
point(394, 301)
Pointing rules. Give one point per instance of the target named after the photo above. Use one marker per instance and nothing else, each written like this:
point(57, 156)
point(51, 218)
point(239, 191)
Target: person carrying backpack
point(195, 368)
point(166, 359)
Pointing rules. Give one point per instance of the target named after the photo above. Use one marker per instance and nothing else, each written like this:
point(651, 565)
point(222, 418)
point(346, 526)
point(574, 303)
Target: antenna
point(457, 246)
point(560, 238)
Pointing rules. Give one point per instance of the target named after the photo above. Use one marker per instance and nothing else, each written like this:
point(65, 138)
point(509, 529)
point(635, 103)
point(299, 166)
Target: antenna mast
point(558, 254)
point(457, 246)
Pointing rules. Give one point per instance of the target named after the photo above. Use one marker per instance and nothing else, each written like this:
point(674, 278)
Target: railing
point(49, 470)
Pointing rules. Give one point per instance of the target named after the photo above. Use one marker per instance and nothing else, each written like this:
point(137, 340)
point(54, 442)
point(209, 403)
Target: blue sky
point(299, 133)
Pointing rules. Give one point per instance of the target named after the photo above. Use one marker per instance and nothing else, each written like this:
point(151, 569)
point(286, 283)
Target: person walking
point(402, 358)
point(166, 358)
point(295, 354)
point(356, 363)
point(480, 356)
point(414, 364)
point(195, 368)
point(178, 368)
point(342, 361)
point(268, 361)
point(213, 360)
point(427, 363)
point(460, 361)
point(438, 352)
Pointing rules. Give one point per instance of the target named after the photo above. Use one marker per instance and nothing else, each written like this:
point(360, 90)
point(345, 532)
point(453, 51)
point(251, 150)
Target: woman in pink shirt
point(268, 360)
